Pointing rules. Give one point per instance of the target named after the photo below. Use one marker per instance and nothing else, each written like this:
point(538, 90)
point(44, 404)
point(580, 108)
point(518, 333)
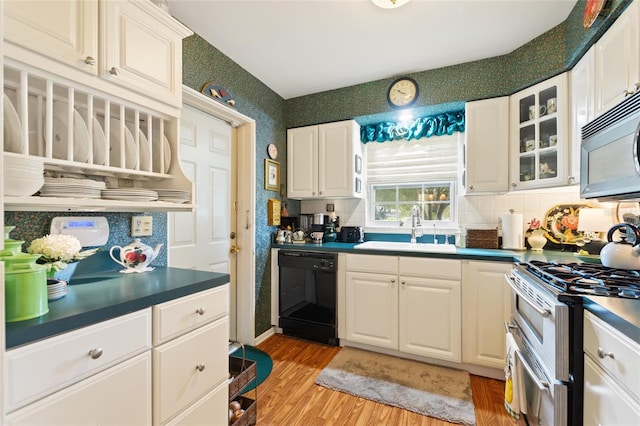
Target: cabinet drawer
point(186, 368)
point(624, 364)
point(36, 370)
point(373, 264)
point(97, 400)
point(604, 401)
point(211, 409)
point(171, 319)
point(446, 269)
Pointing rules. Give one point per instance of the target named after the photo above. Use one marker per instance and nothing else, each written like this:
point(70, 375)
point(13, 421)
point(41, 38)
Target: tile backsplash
point(473, 211)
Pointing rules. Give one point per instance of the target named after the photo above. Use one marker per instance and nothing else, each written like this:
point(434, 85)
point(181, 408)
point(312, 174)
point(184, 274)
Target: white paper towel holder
point(520, 237)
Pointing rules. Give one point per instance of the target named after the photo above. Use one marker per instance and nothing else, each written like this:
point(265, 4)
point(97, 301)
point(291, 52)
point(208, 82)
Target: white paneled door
point(202, 239)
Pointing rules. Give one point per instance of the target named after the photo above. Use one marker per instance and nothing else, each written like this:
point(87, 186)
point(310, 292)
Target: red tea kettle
point(622, 254)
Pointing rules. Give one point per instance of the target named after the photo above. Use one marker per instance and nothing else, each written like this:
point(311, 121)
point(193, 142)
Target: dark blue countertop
point(493, 255)
point(93, 298)
point(622, 314)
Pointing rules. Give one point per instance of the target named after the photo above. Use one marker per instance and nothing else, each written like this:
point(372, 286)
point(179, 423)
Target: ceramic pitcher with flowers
point(536, 235)
point(136, 256)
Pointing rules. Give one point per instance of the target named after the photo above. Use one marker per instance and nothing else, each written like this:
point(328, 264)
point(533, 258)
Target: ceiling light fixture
point(389, 4)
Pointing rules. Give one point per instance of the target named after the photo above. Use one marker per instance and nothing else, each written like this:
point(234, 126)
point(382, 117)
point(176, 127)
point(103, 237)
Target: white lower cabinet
point(112, 373)
point(486, 302)
point(190, 370)
point(404, 303)
point(120, 395)
point(611, 375)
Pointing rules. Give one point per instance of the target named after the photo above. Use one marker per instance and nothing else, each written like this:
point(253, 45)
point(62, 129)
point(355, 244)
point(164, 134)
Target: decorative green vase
point(25, 284)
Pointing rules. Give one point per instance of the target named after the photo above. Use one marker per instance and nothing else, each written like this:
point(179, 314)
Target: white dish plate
point(12, 128)
point(166, 148)
point(145, 151)
point(60, 134)
point(130, 157)
point(99, 140)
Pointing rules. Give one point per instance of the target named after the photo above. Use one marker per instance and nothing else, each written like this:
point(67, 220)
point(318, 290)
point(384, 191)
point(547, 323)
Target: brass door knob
point(234, 249)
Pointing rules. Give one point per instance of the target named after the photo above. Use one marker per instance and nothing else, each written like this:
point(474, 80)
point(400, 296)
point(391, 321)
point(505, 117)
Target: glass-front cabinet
point(538, 140)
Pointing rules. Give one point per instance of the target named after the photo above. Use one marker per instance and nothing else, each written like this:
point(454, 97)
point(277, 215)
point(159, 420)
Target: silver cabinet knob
point(200, 367)
point(95, 353)
point(89, 60)
point(470, 186)
point(403, 282)
point(602, 354)
point(201, 311)
point(393, 281)
point(114, 71)
point(513, 184)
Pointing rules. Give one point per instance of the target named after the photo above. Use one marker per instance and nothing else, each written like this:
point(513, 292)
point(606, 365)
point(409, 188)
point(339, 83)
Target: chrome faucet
point(415, 222)
point(435, 237)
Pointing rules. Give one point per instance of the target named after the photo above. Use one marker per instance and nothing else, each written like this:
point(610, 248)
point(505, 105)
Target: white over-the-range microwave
point(610, 157)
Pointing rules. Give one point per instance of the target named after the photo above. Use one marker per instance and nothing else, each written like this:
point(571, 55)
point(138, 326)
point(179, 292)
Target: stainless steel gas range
point(547, 323)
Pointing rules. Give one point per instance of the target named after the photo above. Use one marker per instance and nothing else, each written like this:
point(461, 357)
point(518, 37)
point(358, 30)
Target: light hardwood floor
point(289, 396)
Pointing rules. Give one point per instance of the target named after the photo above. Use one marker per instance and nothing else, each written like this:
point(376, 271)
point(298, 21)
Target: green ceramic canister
point(25, 286)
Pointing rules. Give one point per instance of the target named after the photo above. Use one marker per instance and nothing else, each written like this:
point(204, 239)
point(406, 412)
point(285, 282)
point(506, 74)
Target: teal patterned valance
point(424, 127)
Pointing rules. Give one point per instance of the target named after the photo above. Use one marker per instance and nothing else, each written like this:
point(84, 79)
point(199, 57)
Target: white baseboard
point(264, 336)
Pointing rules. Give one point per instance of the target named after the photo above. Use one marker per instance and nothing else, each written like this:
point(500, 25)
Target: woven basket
point(482, 238)
point(242, 372)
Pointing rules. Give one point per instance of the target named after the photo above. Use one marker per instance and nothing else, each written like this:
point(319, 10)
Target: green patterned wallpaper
point(203, 63)
point(550, 54)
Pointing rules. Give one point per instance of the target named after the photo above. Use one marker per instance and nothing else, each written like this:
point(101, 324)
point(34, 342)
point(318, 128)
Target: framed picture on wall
point(271, 175)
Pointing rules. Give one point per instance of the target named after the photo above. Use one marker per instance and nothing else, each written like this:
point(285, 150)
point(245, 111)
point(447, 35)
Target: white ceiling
point(299, 47)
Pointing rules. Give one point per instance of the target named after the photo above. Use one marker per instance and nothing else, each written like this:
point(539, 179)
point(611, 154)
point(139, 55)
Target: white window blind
point(422, 160)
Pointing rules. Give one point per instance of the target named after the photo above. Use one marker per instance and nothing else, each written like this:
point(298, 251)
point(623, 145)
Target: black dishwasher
point(307, 295)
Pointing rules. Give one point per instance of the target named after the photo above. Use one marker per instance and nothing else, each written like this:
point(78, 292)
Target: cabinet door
point(582, 108)
point(302, 162)
point(120, 395)
point(186, 368)
point(211, 409)
point(617, 60)
point(64, 30)
point(336, 160)
point(487, 146)
point(140, 50)
point(372, 309)
point(538, 142)
point(430, 318)
point(604, 401)
point(486, 305)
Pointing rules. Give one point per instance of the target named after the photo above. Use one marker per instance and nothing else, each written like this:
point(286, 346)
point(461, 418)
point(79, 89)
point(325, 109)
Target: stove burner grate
point(587, 279)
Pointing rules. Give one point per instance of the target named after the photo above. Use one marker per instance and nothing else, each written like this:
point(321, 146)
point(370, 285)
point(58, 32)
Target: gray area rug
point(434, 391)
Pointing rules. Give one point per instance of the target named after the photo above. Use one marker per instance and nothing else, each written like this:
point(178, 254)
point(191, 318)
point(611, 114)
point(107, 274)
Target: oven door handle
point(545, 312)
point(540, 384)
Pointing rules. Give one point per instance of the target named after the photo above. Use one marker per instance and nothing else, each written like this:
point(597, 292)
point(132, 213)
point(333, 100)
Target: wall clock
point(272, 151)
point(403, 92)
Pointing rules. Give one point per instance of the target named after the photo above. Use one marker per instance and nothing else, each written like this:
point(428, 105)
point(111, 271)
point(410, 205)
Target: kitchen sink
point(399, 246)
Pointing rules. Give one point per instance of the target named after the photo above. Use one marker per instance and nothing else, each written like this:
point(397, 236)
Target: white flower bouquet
point(56, 251)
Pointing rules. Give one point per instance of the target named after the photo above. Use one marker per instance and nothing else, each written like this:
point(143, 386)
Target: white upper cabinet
point(65, 31)
point(141, 50)
point(582, 107)
point(486, 147)
point(325, 161)
point(539, 136)
point(131, 43)
point(617, 60)
point(111, 71)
